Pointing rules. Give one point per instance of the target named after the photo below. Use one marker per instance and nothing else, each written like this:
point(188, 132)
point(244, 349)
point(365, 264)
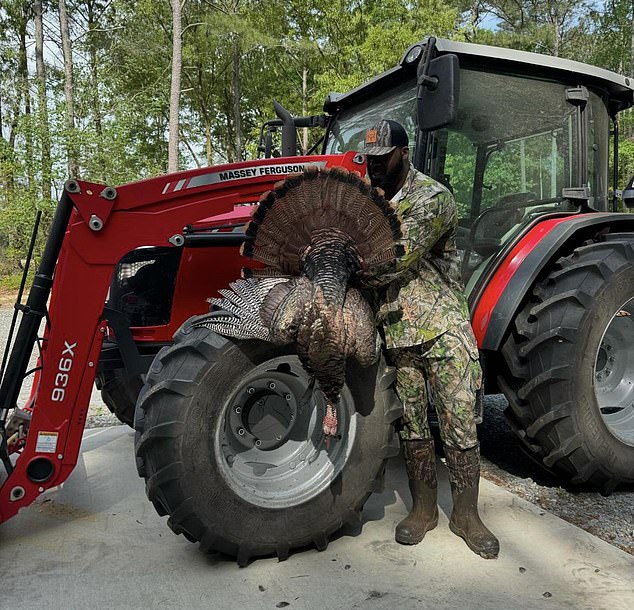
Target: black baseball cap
point(384, 137)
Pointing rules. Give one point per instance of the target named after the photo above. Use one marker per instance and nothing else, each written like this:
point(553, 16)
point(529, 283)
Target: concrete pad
point(96, 542)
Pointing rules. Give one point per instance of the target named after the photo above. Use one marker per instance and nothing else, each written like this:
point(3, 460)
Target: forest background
point(94, 88)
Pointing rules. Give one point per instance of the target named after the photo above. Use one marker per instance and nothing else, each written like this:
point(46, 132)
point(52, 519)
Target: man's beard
point(389, 181)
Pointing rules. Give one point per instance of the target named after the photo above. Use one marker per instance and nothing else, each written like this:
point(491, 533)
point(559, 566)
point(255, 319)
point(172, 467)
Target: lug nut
point(241, 431)
point(258, 443)
point(272, 385)
point(238, 409)
point(250, 390)
point(288, 396)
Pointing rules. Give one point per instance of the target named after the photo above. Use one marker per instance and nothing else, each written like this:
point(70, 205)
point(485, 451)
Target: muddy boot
point(420, 462)
point(464, 476)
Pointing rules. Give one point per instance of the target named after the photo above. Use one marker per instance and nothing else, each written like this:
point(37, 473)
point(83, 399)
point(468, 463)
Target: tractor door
point(516, 148)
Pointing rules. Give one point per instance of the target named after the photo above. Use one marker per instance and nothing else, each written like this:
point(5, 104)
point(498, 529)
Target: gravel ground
point(610, 518)
point(99, 416)
point(503, 462)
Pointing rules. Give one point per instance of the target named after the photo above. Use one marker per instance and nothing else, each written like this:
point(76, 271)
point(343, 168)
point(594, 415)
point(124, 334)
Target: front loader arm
point(93, 229)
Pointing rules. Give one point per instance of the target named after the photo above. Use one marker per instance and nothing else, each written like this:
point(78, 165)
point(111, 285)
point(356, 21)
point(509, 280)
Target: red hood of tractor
point(210, 200)
point(251, 179)
point(239, 215)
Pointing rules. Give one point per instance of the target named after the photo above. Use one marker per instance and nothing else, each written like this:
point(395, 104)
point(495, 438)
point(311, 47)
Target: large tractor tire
point(571, 358)
point(119, 391)
point(229, 440)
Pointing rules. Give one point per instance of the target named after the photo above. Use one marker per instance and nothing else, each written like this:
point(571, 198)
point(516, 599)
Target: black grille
point(143, 285)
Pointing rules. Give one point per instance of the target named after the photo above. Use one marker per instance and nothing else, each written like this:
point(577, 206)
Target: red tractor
point(228, 434)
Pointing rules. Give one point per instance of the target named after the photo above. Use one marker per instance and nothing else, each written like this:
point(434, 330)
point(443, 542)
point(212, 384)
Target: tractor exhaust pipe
point(289, 135)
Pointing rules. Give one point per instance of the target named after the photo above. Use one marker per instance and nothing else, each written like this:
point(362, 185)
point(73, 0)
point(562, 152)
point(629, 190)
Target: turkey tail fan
point(239, 315)
point(291, 216)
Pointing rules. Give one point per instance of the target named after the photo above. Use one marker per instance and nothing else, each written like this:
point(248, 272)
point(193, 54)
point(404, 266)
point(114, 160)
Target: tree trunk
point(23, 79)
point(236, 97)
point(555, 20)
point(632, 43)
point(47, 170)
point(177, 53)
point(305, 105)
point(6, 156)
point(94, 85)
point(208, 143)
point(69, 92)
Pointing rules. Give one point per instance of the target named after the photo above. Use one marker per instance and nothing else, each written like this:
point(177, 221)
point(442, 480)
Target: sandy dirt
point(7, 298)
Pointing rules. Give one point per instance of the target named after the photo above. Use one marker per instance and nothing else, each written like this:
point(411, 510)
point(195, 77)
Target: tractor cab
point(521, 137)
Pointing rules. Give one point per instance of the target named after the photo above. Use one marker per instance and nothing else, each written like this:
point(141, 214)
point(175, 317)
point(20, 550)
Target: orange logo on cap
point(370, 137)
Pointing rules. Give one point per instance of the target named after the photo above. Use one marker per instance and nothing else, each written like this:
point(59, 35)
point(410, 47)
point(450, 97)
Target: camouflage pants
point(450, 365)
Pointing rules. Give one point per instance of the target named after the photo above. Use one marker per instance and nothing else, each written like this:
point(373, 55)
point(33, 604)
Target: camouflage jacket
point(420, 296)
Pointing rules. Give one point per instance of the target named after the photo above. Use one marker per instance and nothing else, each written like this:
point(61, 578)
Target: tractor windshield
point(516, 144)
point(347, 132)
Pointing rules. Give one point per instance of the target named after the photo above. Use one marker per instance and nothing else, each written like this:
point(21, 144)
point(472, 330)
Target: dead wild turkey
point(318, 233)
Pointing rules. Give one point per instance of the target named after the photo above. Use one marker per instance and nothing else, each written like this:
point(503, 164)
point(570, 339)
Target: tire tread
point(159, 423)
point(538, 381)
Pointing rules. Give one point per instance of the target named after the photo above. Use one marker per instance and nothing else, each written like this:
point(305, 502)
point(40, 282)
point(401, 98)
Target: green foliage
point(16, 222)
point(12, 281)
point(552, 27)
point(366, 38)
point(296, 52)
point(626, 161)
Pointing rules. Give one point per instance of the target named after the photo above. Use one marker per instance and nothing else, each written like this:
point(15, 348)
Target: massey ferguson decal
point(242, 173)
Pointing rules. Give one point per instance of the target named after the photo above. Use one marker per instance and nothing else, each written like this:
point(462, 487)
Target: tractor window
point(528, 169)
point(508, 157)
point(398, 104)
point(459, 170)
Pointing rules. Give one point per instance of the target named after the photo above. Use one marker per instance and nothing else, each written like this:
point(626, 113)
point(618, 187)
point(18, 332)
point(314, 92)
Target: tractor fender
point(501, 298)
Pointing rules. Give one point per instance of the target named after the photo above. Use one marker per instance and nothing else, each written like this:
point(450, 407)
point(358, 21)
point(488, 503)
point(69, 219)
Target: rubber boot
point(420, 462)
point(464, 477)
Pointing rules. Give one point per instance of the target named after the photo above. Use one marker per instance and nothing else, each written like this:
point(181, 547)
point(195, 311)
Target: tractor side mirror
point(437, 92)
point(628, 194)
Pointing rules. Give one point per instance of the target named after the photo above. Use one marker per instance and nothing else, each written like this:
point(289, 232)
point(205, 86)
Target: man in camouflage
point(424, 315)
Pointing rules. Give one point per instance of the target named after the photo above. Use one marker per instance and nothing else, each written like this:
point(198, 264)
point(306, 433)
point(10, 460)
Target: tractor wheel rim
point(614, 374)
point(269, 442)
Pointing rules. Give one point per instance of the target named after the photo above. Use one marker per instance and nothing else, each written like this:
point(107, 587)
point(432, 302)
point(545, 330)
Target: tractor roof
point(619, 88)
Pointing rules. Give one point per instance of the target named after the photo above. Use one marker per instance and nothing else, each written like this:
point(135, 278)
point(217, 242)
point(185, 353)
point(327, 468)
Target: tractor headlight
point(414, 54)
